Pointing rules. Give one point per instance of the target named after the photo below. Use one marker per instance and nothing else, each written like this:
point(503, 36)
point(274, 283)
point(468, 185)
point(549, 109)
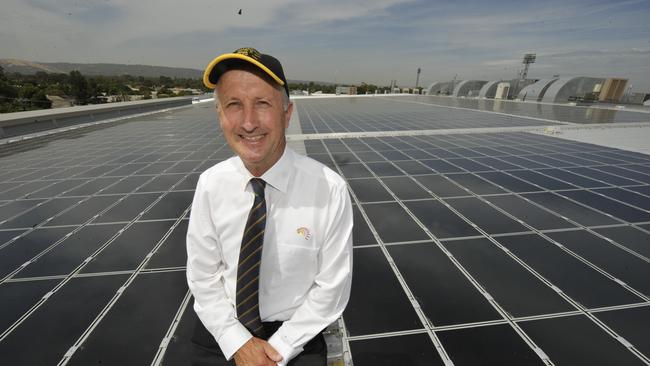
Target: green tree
point(79, 87)
point(165, 93)
point(146, 92)
point(366, 88)
point(93, 91)
point(41, 77)
point(166, 81)
point(39, 100)
point(54, 89)
point(33, 97)
point(8, 94)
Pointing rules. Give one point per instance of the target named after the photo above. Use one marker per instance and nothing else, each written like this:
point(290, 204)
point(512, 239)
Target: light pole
point(529, 58)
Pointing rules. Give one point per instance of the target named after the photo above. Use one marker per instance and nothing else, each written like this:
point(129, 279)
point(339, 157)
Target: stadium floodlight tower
point(417, 79)
point(529, 58)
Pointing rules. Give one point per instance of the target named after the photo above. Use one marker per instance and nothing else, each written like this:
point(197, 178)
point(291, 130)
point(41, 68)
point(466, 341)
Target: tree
point(164, 93)
point(22, 92)
point(7, 91)
point(39, 100)
point(93, 91)
point(78, 87)
point(166, 81)
point(33, 97)
point(366, 88)
point(146, 92)
point(41, 77)
point(54, 89)
point(8, 95)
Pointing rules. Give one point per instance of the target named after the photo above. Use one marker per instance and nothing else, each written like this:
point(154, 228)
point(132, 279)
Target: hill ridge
point(11, 65)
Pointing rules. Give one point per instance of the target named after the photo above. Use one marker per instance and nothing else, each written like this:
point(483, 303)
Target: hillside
point(11, 65)
point(29, 67)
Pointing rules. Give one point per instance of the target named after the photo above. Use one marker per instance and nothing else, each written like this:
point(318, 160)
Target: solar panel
point(475, 241)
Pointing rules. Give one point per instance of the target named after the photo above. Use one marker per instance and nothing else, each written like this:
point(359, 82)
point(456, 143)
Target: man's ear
point(219, 117)
point(287, 115)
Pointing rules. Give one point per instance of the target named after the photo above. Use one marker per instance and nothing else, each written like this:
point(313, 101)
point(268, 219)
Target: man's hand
point(257, 352)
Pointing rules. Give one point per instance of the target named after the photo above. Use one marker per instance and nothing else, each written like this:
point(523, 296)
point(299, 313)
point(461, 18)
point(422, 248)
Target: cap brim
point(210, 69)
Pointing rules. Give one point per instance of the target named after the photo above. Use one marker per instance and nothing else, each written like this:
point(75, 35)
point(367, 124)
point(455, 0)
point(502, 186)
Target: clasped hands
point(257, 352)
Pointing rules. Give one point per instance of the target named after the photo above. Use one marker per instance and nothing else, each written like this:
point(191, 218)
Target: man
point(269, 240)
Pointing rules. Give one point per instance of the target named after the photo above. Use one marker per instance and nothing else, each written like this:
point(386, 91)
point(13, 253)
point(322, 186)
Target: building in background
point(346, 90)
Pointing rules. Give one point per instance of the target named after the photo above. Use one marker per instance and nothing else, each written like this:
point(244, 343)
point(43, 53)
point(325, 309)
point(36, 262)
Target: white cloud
point(506, 62)
point(56, 30)
point(305, 13)
point(364, 40)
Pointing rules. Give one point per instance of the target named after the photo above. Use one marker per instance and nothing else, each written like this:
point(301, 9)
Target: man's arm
point(330, 292)
point(205, 277)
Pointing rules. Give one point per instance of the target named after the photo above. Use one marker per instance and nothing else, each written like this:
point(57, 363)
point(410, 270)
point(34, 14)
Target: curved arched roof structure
point(489, 89)
point(464, 88)
point(562, 89)
point(440, 87)
point(535, 91)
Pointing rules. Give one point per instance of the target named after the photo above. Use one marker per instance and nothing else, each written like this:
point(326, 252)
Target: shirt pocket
point(297, 265)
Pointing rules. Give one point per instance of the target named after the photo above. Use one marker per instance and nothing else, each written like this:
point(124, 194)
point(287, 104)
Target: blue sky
point(344, 40)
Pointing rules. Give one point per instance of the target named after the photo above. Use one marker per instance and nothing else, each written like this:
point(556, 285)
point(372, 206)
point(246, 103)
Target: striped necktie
point(250, 256)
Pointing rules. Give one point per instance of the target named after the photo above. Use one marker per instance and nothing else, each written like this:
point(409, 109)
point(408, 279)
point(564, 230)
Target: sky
point(344, 41)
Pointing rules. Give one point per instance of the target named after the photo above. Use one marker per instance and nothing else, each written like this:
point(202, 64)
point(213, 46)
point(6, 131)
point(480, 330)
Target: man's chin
point(250, 149)
point(251, 157)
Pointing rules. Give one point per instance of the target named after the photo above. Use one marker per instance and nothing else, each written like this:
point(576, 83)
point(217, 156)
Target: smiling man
point(269, 241)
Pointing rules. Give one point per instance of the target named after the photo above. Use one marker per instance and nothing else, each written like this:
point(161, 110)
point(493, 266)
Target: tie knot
point(258, 185)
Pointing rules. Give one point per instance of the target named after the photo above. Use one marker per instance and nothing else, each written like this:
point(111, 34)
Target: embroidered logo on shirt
point(304, 232)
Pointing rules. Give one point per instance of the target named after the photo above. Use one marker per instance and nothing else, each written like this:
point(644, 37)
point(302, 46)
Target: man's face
point(252, 118)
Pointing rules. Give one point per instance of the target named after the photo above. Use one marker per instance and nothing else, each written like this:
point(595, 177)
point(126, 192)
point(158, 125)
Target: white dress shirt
point(306, 268)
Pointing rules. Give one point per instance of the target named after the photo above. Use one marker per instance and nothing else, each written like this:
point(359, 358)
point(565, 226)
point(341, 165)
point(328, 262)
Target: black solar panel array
point(491, 248)
point(431, 112)
point(469, 240)
point(382, 114)
point(92, 233)
point(583, 114)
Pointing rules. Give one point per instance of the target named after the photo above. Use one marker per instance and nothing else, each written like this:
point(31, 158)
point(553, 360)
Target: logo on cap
point(250, 52)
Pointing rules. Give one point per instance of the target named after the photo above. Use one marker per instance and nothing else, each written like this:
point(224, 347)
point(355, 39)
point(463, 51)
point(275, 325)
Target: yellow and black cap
point(269, 64)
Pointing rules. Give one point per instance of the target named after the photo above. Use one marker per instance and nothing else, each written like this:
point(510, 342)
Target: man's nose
point(249, 122)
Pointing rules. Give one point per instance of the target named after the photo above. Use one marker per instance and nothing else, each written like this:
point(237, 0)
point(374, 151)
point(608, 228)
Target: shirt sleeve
point(330, 291)
point(205, 277)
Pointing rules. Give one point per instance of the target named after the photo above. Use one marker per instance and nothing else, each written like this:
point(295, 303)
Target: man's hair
point(245, 66)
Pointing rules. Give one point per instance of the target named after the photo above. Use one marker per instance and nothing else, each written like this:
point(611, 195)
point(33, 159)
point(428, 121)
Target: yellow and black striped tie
point(250, 256)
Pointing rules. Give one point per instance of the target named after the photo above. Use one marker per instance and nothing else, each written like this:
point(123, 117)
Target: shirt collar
point(277, 176)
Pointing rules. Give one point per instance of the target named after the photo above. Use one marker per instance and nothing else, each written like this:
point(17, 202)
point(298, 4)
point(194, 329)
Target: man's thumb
point(272, 353)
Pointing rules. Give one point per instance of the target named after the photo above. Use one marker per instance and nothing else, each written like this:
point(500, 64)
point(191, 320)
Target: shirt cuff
point(284, 348)
point(232, 339)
